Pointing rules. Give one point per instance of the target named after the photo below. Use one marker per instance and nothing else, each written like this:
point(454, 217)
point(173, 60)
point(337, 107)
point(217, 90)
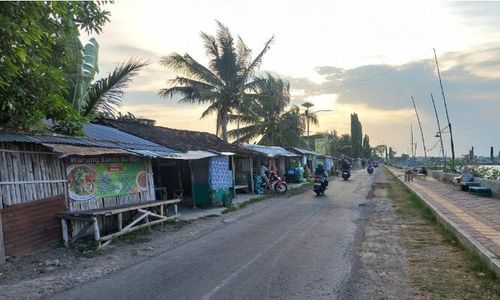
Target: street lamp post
point(307, 105)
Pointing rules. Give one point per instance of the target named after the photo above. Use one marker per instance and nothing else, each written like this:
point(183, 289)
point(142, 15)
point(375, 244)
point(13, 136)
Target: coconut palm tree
point(264, 112)
point(223, 83)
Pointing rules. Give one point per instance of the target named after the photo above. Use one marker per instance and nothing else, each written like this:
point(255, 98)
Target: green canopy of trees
point(34, 39)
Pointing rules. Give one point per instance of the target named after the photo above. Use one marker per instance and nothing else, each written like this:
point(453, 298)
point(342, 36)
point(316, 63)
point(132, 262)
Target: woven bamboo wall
point(29, 172)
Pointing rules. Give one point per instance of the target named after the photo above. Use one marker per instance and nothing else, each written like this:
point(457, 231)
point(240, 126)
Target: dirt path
point(379, 266)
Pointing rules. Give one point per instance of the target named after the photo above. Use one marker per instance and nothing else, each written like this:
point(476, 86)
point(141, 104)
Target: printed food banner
point(105, 176)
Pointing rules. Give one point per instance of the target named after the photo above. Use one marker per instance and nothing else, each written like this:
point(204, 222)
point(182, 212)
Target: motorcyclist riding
point(320, 172)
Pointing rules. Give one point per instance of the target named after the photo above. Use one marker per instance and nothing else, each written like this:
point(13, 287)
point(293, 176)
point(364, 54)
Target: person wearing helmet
point(320, 172)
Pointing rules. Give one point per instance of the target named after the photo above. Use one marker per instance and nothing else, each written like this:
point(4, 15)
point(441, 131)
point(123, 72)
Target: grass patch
point(229, 209)
point(138, 236)
point(439, 266)
point(209, 217)
point(90, 248)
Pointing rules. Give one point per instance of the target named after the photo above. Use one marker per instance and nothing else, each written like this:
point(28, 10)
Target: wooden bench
point(241, 187)
point(421, 176)
point(480, 191)
point(142, 213)
point(465, 185)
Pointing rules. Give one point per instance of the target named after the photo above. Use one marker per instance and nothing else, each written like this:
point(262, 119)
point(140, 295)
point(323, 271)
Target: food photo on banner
point(104, 176)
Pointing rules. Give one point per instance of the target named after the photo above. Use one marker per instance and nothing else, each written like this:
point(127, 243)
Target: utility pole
point(307, 105)
point(420, 125)
point(447, 116)
point(412, 144)
point(439, 130)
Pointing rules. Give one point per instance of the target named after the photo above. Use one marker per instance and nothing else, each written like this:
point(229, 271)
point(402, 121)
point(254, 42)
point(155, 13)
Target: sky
point(367, 57)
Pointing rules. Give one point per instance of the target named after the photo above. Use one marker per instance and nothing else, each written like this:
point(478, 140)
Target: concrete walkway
point(188, 214)
point(474, 220)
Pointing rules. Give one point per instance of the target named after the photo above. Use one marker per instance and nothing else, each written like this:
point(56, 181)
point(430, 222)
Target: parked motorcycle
point(275, 183)
point(319, 185)
point(369, 170)
point(346, 174)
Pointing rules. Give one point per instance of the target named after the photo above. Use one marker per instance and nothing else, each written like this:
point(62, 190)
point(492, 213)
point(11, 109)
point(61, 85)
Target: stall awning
point(270, 151)
point(192, 155)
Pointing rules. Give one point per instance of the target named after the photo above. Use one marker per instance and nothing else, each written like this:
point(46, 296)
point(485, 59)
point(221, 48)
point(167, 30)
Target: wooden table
point(90, 217)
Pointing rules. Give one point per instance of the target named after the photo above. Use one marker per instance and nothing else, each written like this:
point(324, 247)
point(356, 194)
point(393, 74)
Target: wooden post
point(192, 182)
point(251, 175)
point(2, 247)
point(97, 233)
point(64, 227)
point(161, 210)
point(120, 221)
point(234, 175)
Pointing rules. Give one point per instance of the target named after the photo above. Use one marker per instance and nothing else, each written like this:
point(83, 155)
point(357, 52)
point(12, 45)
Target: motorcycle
point(369, 170)
point(346, 174)
point(319, 185)
point(275, 183)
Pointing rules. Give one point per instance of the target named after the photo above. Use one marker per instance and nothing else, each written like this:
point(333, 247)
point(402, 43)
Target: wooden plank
point(15, 169)
point(130, 229)
point(64, 229)
point(33, 182)
point(120, 221)
point(2, 246)
point(151, 214)
point(97, 232)
point(251, 175)
point(81, 232)
point(125, 208)
point(6, 195)
point(28, 152)
point(127, 228)
point(69, 216)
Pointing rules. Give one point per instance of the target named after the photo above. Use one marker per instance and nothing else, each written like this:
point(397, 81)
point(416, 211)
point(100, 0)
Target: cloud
point(380, 94)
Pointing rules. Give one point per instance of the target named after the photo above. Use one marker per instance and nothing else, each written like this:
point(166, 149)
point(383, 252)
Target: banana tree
point(89, 97)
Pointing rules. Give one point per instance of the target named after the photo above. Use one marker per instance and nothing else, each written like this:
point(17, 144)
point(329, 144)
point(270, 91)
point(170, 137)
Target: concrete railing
point(494, 185)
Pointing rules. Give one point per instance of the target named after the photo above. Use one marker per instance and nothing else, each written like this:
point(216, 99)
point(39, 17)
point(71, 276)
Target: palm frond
point(105, 95)
point(210, 44)
point(252, 68)
point(188, 66)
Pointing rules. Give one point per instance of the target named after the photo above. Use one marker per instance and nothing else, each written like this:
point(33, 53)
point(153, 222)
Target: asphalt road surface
point(294, 248)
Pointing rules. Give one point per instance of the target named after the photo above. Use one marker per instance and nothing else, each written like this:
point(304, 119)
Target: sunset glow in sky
point(366, 57)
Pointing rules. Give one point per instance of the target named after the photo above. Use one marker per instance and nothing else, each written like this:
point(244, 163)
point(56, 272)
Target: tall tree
point(223, 83)
point(367, 150)
point(356, 136)
point(33, 40)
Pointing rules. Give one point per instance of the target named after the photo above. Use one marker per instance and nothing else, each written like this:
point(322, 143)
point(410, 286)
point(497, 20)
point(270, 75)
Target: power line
point(362, 80)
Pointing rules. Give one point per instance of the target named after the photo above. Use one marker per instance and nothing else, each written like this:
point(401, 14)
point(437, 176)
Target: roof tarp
point(193, 155)
point(68, 150)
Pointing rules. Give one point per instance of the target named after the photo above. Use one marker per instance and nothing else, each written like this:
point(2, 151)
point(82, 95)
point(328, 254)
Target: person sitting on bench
point(466, 176)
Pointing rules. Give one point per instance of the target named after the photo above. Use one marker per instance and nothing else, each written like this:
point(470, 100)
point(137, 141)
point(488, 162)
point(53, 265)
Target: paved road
point(294, 248)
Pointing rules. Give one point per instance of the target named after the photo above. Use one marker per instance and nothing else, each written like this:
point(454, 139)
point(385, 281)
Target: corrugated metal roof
point(270, 151)
point(128, 141)
point(99, 137)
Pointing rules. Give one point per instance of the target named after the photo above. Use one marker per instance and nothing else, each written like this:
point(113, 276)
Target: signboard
point(320, 146)
point(104, 176)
